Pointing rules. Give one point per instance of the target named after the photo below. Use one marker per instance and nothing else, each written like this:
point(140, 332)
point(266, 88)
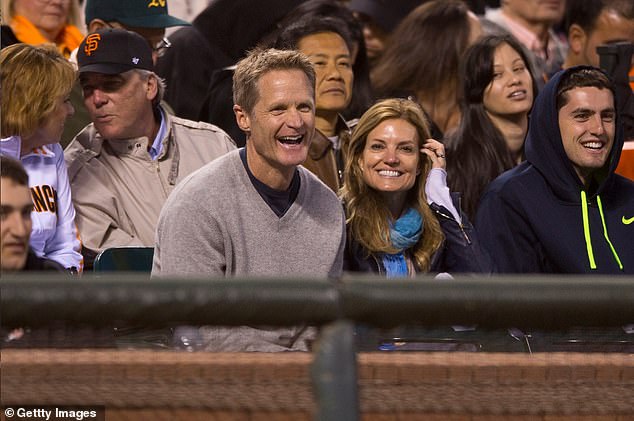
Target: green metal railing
point(546, 302)
point(540, 302)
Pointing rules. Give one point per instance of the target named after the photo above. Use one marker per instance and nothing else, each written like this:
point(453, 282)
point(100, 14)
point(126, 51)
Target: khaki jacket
point(118, 190)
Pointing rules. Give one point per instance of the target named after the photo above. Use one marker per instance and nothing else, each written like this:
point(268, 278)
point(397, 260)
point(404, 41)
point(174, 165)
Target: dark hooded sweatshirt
point(534, 219)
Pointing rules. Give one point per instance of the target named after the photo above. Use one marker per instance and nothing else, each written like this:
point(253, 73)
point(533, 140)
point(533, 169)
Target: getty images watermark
point(55, 413)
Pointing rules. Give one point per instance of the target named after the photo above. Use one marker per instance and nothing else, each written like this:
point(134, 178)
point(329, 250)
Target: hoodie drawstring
point(586, 232)
point(605, 234)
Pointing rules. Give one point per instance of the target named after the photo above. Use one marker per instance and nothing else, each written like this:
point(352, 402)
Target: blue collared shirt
point(157, 146)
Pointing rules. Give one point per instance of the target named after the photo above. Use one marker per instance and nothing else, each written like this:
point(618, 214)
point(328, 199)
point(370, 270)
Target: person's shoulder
point(621, 188)
point(207, 188)
point(515, 179)
point(317, 190)
point(188, 37)
point(83, 146)
point(195, 125)
point(515, 187)
point(84, 140)
point(52, 153)
point(215, 173)
point(312, 180)
point(56, 148)
point(82, 149)
point(621, 182)
point(200, 129)
point(40, 158)
point(493, 23)
point(514, 192)
point(229, 161)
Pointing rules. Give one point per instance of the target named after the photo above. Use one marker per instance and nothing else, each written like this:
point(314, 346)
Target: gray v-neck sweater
point(216, 224)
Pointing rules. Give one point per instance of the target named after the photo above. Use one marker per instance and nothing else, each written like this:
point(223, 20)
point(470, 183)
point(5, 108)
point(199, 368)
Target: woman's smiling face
point(390, 161)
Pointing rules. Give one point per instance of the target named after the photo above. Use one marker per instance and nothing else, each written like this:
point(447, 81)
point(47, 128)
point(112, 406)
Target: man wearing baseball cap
point(125, 163)
point(148, 18)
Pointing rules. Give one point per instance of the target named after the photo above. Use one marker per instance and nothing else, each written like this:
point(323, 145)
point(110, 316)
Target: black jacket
point(459, 253)
point(7, 37)
point(531, 218)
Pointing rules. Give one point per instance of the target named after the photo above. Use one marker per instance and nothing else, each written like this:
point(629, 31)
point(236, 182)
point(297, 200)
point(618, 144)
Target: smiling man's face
point(587, 126)
point(281, 125)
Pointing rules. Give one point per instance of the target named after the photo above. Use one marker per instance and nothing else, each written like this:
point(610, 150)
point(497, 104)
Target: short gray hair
point(146, 74)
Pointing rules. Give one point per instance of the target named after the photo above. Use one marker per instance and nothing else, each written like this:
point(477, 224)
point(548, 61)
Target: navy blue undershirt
point(278, 200)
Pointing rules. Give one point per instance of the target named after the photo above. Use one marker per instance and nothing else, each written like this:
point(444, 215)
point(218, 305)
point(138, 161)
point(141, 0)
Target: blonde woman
point(36, 82)
point(401, 218)
point(45, 21)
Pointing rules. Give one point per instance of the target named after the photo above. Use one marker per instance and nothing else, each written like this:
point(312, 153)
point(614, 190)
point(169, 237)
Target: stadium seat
point(129, 259)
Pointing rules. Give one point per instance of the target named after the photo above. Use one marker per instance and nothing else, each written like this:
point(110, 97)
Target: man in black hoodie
point(564, 210)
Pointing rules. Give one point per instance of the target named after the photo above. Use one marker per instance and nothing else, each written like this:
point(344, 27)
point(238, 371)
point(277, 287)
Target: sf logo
point(92, 43)
point(156, 3)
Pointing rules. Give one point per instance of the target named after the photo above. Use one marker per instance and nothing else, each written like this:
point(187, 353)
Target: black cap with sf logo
point(113, 51)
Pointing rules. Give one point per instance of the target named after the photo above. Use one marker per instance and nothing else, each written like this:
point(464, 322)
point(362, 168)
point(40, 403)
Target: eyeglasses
point(161, 48)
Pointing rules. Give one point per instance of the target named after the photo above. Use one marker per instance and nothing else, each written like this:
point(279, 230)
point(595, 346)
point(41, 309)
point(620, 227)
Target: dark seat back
point(128, 259)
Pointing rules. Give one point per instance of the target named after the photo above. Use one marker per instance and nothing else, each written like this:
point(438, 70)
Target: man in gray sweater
point(256, 211)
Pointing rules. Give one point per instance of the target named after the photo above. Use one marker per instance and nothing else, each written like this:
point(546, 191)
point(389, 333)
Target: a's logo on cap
point(92, 43)
point(156, 3)
point(135, 60)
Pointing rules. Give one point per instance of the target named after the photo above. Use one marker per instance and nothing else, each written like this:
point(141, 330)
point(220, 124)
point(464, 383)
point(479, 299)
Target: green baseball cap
point(133, 13)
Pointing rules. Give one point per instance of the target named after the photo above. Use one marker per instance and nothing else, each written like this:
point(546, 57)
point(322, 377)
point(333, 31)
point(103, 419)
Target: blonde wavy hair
point(33, 78)
point(367, 214)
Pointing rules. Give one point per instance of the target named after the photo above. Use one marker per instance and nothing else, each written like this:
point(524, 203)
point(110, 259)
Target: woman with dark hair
point(421, 60)
point(498, 89)
point(401, 218)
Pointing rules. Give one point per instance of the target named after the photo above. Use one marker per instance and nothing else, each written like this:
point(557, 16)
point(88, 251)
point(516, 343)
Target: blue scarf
point(404, 233)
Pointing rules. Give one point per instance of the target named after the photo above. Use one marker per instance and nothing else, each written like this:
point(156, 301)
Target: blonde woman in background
point(37, 22)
